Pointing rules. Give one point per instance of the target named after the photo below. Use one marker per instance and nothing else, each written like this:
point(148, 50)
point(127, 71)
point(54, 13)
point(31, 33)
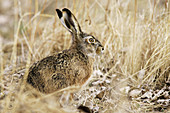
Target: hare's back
point(58, 71)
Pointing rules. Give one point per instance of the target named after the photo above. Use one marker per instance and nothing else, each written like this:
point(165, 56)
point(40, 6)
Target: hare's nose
point(102, 48)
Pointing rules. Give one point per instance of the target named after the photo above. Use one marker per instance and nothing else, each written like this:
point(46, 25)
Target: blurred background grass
point(135, 34)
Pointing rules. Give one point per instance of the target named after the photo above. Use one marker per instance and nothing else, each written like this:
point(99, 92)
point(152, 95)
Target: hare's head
point(82, 41)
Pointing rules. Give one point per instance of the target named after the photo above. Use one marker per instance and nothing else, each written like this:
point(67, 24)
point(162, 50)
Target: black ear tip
point(67, 11)
point(59, 13)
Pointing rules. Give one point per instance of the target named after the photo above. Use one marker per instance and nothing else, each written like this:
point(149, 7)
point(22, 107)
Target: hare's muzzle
point(100, 49)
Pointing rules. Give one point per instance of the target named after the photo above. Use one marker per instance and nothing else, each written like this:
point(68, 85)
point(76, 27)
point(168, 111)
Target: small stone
point(134, 92)
point(100, 95)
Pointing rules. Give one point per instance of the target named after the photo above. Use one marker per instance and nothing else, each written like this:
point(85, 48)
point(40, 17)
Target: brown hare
point(70, 67)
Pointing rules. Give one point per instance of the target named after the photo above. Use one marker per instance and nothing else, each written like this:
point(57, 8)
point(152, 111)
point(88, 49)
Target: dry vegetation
point(132, 75)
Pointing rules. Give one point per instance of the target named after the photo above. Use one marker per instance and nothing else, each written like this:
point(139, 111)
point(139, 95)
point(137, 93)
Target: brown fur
point(69, 67)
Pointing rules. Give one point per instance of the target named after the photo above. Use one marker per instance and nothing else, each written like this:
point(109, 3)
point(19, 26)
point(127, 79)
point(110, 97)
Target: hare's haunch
point(69, 67)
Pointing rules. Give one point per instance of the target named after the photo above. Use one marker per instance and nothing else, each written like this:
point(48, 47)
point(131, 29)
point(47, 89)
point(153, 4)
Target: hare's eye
point(91, 40)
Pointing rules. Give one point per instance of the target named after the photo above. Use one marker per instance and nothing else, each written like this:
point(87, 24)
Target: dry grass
point(136, 37)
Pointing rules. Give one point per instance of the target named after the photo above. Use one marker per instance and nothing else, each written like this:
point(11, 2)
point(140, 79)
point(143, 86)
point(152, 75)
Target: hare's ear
point(69, 21)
